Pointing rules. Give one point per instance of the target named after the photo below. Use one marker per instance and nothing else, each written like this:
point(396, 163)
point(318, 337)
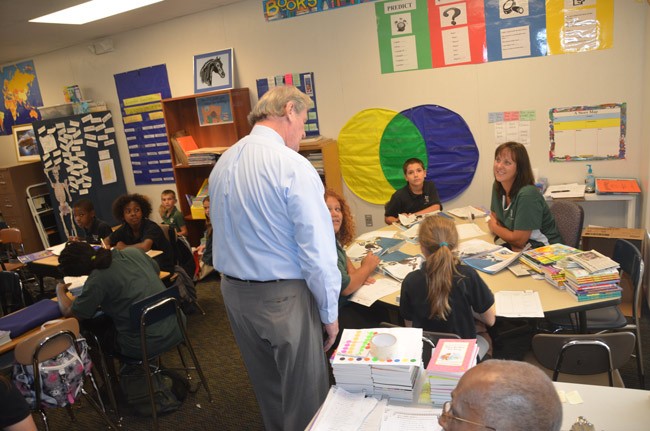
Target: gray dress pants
point(278, 330)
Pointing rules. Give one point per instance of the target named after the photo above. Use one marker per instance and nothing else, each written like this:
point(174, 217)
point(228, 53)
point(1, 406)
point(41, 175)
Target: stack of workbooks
point(544, 260)
point(449, 361)
point(355, 368)
point(591, 275)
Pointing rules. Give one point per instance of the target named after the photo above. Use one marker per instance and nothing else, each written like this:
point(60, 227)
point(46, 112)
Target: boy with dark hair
point(94, 230)
point(418, 196)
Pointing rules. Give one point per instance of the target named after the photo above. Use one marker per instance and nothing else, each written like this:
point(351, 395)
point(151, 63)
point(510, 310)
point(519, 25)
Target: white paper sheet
point(343, 410)
point(468, 230)
point(518, 304)
point(369, 293)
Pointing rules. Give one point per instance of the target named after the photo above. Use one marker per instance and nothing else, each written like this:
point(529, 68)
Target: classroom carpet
point(234, 406)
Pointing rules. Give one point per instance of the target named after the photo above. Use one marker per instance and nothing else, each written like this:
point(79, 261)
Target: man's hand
point(332, 330)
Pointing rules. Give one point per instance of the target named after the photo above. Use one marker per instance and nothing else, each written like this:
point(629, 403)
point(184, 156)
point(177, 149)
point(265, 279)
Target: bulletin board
point(80, 160)
point(579, 133)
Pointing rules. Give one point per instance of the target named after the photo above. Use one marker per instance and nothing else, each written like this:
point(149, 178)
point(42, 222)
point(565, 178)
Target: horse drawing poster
point(213, 71)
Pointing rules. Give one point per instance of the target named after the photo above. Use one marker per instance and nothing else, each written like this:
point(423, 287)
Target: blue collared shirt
point(270, 220)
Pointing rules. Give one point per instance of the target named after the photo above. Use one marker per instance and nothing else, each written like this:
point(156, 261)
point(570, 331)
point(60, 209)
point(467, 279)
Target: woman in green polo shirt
point(520, 214)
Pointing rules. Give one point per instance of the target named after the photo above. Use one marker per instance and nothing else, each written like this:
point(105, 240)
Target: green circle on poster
point(401, 141)
point(359, 155)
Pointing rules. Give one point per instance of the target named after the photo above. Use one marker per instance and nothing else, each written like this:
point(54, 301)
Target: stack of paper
point(469, 212)
point(355, 369)
point(4, 337)
point(593, 261)
point(449, 361)
point(573, 190)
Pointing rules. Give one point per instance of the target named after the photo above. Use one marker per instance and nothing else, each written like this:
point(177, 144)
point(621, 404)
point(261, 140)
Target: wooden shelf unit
point(181, 113)
point(331, 172)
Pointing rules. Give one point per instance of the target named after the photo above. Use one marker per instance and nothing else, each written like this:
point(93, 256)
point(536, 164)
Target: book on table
point(493, 261)
point(469, 212)
point(593, 261)
point(377, 245)
point(450, 359)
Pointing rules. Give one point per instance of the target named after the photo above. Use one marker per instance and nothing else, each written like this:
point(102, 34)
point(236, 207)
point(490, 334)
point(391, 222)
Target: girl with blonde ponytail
point(443, 295)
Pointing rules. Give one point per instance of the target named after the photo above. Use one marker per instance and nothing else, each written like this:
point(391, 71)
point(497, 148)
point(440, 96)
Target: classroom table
point(4, 348)
point(49, 267)
point(554, 301)
point(607, 408)
point(629, 199)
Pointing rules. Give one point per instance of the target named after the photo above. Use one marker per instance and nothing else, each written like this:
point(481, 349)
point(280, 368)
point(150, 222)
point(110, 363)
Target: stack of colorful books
point(591, 275)
point(544, 260)
point(356, 369)
point(449, 361)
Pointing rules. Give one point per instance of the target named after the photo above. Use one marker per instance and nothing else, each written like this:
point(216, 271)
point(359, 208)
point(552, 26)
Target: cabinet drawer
point(6, 183)
point(9, 206)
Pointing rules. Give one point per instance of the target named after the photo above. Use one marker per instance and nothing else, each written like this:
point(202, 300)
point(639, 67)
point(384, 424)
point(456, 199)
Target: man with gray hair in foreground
point(503, 395)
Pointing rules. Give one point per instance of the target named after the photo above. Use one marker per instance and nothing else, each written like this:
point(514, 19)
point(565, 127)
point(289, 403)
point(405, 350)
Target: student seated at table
point(138, 231)
point(171, 215)
point(116, 280)
point(443, 295)
point(520, 214)
point(204, 250)
point(418, 196)
point(503, 395)
point(93, 229)
point(352, 315)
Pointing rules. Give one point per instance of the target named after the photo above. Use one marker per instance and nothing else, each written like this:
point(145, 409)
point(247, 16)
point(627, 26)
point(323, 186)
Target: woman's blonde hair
point(346, 232)
point(438, 239)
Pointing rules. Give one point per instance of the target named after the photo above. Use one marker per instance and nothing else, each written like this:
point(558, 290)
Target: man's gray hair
point(273, 102)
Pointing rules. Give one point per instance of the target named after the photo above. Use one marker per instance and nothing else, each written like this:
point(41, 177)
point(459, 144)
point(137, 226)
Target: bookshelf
point(324, 155)
point(181, 114)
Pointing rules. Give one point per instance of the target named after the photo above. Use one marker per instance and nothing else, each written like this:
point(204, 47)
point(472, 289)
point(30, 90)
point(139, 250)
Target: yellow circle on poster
point(361, 167)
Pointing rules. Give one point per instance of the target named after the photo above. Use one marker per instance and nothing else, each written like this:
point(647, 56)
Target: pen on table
point(560, 191)
point(103, 243)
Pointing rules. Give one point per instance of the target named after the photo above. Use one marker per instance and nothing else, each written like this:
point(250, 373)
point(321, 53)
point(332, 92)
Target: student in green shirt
point(170, 214)
point(520, 214)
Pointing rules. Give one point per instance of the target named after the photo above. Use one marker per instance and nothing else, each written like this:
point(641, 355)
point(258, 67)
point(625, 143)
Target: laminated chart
point(581, 133)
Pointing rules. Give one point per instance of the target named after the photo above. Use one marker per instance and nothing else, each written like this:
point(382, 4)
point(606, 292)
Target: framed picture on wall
point(213, 71)
point(26, 148)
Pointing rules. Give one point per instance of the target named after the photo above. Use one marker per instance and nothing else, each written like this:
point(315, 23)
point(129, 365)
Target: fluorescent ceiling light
point(92, 11)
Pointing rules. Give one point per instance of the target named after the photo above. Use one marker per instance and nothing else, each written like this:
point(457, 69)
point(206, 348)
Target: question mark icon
point(455, 13)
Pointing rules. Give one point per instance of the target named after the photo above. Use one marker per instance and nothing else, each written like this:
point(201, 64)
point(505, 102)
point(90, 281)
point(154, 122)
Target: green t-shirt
point(131, 277)
point(342, 263)
point(174, 218)
point(527, 211)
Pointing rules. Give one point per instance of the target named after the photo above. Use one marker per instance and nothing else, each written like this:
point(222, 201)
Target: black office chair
point(11, 293)
point(583, 358)
point(147, 312)
point(612, 318)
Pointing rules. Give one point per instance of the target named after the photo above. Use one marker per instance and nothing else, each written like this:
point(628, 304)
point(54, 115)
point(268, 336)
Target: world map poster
point(21, 96)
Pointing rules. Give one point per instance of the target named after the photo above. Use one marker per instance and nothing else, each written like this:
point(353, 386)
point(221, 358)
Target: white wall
point(340, 47)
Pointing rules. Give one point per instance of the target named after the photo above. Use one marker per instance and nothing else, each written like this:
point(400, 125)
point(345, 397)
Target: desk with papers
point(508, 289)
point(606, 407)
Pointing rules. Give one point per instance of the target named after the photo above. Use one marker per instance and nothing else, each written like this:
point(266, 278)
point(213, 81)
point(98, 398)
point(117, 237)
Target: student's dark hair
point(411, 161)
point(84, 204)
point(124, 200)
point(80, 258)
point(346, 232)
point(206, 199)
point(524, 176)
point(439, 238)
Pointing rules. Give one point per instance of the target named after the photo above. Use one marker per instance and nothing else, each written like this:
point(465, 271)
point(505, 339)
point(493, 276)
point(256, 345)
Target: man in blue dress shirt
point(274, 244)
